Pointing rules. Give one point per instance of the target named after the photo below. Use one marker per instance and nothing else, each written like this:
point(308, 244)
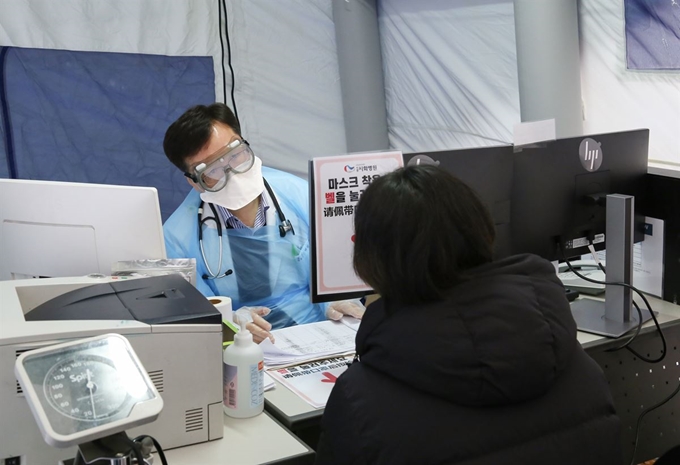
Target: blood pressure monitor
point(86, 389)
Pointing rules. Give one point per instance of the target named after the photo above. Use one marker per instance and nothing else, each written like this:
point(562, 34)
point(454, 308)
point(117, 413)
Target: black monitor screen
point(488, 171)
point(559, 188)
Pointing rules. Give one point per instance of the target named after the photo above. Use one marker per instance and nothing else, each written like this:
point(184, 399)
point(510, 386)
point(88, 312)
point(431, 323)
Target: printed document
point(313, 341)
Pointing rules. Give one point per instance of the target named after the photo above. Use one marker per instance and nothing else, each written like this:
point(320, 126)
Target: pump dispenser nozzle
point(242, 318)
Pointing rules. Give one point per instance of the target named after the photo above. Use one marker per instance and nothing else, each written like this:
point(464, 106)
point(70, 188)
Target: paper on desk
point(312, 381)
point(351, 322)
point(312, 341)
point(269, 383)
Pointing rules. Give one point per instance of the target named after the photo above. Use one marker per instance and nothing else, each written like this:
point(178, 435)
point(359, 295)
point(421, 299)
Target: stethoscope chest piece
point(285, 227)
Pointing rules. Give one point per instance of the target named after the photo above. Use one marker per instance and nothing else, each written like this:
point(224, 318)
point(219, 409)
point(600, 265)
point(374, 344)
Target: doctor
point(246, 225)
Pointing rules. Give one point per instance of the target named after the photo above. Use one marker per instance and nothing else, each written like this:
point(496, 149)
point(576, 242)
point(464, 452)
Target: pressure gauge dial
point(85, 389)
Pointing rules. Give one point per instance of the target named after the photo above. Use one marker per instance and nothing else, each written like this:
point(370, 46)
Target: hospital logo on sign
point(360, 167)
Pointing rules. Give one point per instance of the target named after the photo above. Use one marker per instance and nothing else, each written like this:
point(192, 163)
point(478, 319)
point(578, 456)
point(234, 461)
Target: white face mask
point(240, 190)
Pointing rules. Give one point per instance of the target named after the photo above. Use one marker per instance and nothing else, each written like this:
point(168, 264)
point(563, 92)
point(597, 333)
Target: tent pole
point(548, 63)
point(361, 74)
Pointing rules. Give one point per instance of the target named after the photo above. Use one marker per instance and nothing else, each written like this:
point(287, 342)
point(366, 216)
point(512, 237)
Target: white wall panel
point(617, 99)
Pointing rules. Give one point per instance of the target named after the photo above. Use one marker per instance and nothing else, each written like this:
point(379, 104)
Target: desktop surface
point(256, 440)
point(668, 314)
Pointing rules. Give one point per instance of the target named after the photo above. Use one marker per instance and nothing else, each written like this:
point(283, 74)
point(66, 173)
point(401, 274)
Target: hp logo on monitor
point(590, 154)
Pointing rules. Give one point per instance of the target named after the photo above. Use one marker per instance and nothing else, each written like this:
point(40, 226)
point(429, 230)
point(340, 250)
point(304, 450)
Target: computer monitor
point(59, 229)
point(559, 188)
point(488, 171)
point(570, 192)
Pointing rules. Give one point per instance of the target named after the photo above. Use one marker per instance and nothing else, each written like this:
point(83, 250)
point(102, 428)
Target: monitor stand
point(613, 317)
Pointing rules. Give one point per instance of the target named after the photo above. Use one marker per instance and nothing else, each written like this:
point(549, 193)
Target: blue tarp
point(97, 117)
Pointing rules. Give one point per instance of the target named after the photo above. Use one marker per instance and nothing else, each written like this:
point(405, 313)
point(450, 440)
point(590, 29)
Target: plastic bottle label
point(230, 378)
point(256, 384)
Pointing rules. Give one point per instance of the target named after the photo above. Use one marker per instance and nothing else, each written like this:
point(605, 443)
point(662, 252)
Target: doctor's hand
point(337, 310)
point(260, 327)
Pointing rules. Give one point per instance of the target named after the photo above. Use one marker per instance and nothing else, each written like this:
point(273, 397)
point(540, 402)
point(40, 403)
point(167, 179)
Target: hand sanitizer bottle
point(243, 372)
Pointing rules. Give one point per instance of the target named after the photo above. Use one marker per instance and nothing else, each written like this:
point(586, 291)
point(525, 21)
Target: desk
point(294, 413)
point(627, 389)
point(256, 440)
point(636, 385)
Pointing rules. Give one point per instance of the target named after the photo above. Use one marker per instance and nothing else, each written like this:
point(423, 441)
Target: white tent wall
point(287, 81)
point(126, 26)
point(450, 67)
point(616, 98)
point(451, 76)
point(287, 87)
point(450, 73)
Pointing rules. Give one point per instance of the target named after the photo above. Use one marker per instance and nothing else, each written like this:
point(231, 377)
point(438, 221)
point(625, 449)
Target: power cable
point(642, 296)
point(627, 344)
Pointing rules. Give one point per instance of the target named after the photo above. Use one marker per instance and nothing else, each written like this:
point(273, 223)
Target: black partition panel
point(637, 385)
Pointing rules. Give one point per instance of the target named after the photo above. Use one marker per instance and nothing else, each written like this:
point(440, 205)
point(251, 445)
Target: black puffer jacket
point(493, 375)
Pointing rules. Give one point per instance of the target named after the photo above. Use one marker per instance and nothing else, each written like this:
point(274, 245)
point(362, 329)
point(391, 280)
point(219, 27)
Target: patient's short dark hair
point(417, 231)
point(189, 134)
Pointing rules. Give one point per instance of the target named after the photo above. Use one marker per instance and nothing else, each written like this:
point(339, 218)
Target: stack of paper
point(313, 341)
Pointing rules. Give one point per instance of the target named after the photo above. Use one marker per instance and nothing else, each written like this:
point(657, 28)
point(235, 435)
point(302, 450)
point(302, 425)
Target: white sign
point(338, 183)
point(533, 132)
point(647, 259)
point(312, 381)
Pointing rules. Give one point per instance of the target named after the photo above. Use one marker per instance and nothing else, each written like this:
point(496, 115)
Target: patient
point(464, 360)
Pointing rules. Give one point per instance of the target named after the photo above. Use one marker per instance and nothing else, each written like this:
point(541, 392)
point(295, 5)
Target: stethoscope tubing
point(284, 227)
point(218, 225)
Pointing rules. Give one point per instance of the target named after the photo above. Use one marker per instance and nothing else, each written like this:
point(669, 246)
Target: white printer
point(174, 330)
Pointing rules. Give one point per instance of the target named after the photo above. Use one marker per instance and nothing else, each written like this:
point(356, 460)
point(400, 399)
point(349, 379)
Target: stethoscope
point(284, 227)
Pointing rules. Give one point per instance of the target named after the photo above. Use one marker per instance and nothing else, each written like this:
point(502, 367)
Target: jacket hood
point(500, 338)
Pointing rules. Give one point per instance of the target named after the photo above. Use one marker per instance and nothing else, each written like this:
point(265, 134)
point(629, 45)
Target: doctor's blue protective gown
point(268, 270)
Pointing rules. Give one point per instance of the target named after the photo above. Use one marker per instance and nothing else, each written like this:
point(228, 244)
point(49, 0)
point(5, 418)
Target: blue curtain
point(97, 117)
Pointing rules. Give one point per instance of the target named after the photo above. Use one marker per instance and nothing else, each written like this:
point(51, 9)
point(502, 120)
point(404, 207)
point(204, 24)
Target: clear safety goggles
point(235, 157)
